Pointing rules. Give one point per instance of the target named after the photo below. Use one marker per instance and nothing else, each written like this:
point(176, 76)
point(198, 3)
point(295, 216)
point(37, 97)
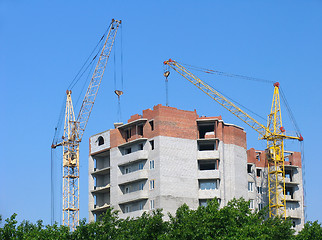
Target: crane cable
point(118, 92)
point(58, 127)
point(99, 45)
point(209, 71)
point(289, 111)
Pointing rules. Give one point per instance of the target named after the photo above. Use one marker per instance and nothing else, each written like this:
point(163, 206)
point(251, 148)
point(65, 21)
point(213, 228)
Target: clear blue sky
point(44, 43)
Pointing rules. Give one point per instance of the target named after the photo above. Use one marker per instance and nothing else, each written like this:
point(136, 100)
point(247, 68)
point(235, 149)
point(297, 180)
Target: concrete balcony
point(133, 196)
point(288, 182)
point(102, 189)
point(102, 171)
point(132, 157)
point(101, 208)
point(208, 194)
point(133, 176)
point(296, 213)
point(288, 198)
point(211, 154)
point(208, 174)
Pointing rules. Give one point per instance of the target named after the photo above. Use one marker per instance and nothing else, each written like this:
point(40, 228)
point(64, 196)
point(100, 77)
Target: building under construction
point(166, 157)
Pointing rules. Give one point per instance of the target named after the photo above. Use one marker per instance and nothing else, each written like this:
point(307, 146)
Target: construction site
point(166, 157)
point(194, 126)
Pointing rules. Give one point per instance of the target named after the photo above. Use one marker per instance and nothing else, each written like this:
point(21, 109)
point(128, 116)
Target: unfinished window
point(151, 204)
point(152, 144)
point(141, 146)
point(140, 130)
point(127, 209)
point(258, 157)
point(127, 190)
point(260, 190)
point(151, 164)
point(288, 174)
point(127, 170)
point(250, 186)
point(127, 150)
point(100, 140)
point(208, 164)
point(141, 186)
point(141, 165)
point(289, 191)
point(206, 128)
point(151, 184)
point(258, 172)
point(249, 168)
point(128, 133)
point(206, 146)
point(152, 125)
point(209, 184)
point(141, 206)
point(251, 203)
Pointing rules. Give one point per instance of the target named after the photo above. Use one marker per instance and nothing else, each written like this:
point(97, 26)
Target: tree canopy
point(234, 221)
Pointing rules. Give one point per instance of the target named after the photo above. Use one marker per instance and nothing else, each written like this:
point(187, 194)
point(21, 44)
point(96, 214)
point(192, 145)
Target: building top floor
point(259, 158)
point(170, 122)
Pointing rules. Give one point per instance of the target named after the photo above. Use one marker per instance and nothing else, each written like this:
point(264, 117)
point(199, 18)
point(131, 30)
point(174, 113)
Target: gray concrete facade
point(145, 173)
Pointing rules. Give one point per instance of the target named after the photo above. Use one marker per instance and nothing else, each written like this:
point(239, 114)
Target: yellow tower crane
point(273, 133)
point(74, 130)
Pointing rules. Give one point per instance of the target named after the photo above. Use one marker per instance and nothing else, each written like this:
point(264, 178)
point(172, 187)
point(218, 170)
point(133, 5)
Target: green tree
point(311, 231)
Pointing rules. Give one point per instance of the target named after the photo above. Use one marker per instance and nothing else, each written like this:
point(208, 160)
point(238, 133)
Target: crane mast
point(74, 130)
point(274, 133)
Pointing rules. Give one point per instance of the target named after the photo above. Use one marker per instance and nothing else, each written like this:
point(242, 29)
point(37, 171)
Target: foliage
point(311, 231)
point(234, 221)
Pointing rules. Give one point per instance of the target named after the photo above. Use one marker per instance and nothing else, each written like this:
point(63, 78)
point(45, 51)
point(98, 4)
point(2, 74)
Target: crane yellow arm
point(219, 98)
point(94, 85)
point(263, 131)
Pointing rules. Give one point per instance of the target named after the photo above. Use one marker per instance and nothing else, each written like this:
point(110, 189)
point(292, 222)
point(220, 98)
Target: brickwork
point(172, 122)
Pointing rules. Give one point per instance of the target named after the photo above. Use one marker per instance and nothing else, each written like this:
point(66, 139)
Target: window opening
point(152, 125)
point(208, 164)
point(260, 206)
point(141, 186)
point(258, 172)
point(127, 190)
point(141, 166)
point(151, 184)
point(206, 146)
point(203, 129)
point(141, 206)
point(260, 190)
point(251, 203)
point(151, 204)
point(250, 186)
point(151, 164)
point(127, 209)
point(128, 133)
point(289, 192)
point(128, 150)
point(127, 170)
point(100, 140)
point(249, 168)
point(210, 184)
point(141, 146)
point(288, 174)
point(152, 144)
point(140, 130)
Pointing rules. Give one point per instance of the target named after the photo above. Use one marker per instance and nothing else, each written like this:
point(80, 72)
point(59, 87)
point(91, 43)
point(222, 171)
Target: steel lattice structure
point(274, 133)
point(74, 130)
